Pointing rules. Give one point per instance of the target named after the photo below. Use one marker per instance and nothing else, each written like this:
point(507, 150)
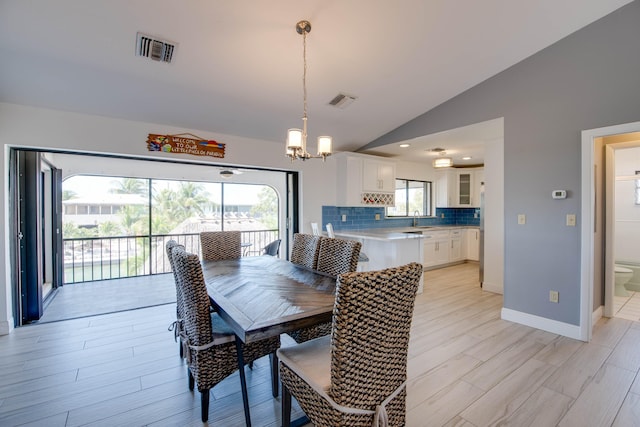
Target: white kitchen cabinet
point(365, 181)
point(445, 189)
point(436, 247)
point(473, 244)
point(464, 188)
point(378, 176)
point(458, 188)
point(455, 246)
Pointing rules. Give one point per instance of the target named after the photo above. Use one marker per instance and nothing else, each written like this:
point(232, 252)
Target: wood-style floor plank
point(466, 368)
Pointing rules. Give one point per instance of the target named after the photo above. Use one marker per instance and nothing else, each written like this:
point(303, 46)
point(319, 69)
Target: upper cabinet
point(459, 188)
point(365, 180)
point(378, 176)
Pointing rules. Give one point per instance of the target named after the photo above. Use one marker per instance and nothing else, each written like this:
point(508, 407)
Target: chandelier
point(442, 161)
point(296, 144)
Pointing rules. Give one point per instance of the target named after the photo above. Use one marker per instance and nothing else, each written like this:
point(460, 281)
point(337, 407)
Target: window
point(412, 197)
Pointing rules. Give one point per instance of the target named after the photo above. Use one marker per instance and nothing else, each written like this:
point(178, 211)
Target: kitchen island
point(432, 246)
point(387, 248)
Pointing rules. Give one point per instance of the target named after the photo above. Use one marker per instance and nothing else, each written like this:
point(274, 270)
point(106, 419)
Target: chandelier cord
point(304, 83)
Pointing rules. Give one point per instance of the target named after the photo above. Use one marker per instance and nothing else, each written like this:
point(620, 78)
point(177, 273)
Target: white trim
point(553, 326)
point(495, 288)
point(587, 210)
point(6, 327)
point(596, 315)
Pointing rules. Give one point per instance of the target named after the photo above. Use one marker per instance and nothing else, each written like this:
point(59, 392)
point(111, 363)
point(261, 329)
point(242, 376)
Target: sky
point(85, 186)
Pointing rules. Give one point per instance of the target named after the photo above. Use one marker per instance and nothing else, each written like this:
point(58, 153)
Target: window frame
point(427, 207)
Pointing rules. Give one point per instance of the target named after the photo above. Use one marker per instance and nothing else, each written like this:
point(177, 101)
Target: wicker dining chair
point(304, 250)
point(209, 343)
point(219, 245)
point(335, 256)
point(176, 326)
point(358, 374)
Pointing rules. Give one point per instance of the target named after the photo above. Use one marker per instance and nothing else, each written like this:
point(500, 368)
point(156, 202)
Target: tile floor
point(628, 307)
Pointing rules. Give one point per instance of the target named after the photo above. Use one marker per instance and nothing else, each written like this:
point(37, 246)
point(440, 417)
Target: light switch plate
point(571, 220)
point(522, 219)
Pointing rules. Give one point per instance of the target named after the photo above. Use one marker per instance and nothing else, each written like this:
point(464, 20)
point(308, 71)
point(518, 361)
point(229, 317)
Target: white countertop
point(399, 233)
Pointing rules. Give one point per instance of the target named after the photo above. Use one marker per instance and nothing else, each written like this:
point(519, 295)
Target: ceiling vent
point(154, 48)
point(342, 100)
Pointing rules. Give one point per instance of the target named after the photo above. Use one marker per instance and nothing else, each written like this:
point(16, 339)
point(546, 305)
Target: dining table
point(265, 296)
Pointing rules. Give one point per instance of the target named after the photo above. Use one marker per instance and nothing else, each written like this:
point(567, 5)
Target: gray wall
point(588, 80)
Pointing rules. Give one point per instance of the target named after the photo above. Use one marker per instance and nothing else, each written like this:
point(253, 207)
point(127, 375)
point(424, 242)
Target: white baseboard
point(6, 327)
point(553, 326)
point(596, 315)
point(490, 287)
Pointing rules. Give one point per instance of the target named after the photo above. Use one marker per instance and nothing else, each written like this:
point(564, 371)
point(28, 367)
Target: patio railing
point(99, 258)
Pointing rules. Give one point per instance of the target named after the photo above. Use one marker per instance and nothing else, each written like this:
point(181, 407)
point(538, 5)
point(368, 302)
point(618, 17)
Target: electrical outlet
point(344, 218)
point(522, 219)
point(377, 217)
point(554, 296)
point(442, 215)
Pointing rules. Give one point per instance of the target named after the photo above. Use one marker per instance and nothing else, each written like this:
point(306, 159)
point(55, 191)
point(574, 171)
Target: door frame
point(588, 220)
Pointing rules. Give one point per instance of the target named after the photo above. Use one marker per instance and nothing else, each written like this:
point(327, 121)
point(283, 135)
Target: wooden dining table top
point(265, 296)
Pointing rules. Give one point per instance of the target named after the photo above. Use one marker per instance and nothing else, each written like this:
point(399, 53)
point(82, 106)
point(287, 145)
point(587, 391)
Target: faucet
point(415, 217)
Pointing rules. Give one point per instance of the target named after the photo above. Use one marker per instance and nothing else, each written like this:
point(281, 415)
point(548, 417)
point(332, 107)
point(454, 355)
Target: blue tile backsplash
point(365, 217)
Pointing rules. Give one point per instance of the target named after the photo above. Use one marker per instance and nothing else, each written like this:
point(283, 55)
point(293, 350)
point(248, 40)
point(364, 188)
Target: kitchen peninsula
point(387, 247)
point(432, 246)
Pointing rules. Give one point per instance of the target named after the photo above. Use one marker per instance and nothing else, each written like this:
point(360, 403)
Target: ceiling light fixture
point(405, 145)
point(296, 144)
point(442, 162)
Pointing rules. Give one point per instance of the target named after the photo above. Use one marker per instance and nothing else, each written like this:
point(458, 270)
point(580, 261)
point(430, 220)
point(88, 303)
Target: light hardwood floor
point(466, 368)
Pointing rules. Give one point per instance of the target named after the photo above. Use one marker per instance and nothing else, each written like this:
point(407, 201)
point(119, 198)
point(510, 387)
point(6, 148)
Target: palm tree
point(130, 186)
point(68, 195)
point(192, 199)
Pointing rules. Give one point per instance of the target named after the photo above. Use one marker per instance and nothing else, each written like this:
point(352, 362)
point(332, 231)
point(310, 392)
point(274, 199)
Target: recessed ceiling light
point(405, 145)
point(466, 158)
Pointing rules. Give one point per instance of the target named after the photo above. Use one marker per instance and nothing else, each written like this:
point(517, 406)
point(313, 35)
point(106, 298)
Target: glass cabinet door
point(464, 189)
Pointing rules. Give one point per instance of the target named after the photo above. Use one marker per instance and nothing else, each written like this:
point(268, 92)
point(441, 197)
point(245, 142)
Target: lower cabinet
point(473, 244)
point(436, 247)
point(455, 247)
point(443, 247)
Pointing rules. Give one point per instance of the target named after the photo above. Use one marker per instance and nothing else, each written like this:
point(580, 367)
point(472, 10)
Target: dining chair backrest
point(170, 245)
point(305, 249)
point(337, 256)
point(272, 248)
point(220, 245)
point(314, 229)
point(370, 338)
point(330, 232)
point(196, 320)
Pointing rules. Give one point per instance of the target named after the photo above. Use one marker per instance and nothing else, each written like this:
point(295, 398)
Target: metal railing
point(89, 259)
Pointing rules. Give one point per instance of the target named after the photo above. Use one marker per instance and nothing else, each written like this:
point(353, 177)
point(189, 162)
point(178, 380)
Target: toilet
point(622, 276)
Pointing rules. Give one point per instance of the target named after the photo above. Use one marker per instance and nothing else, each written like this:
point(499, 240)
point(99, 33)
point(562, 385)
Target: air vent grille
point(154, 48)
point(342, 100)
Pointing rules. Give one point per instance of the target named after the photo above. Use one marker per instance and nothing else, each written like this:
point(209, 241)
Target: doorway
point(51, 256)
point(622, 226)
point(596, 276)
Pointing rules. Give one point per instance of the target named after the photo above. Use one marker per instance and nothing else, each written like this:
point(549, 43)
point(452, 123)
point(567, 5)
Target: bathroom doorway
point(622, 225)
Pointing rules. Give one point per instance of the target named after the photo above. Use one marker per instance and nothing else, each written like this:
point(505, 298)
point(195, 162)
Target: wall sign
point(180, 144)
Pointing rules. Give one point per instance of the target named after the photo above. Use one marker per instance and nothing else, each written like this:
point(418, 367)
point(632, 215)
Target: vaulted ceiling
point(237, 67)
